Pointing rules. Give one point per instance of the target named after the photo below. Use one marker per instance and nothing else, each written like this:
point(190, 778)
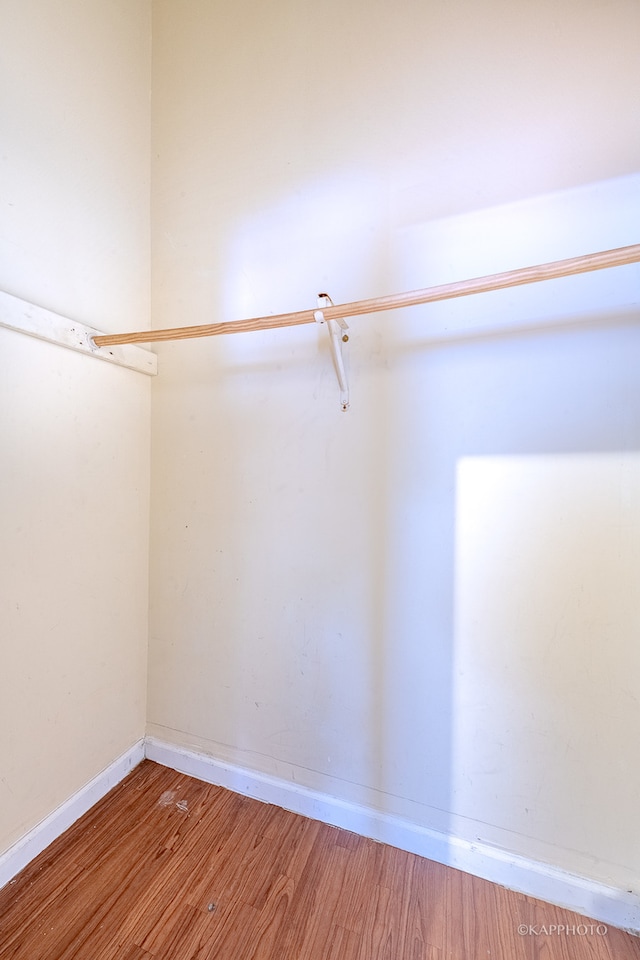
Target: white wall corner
point(44, 833)
point(606, 904)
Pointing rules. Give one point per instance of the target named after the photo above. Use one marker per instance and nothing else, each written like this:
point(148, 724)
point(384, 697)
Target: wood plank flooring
point(168, 868)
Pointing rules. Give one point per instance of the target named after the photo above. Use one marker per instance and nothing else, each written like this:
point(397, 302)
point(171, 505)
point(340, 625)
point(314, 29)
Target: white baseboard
point(49, 829)
point(606, 904)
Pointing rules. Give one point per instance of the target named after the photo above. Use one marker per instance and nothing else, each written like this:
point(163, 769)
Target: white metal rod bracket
point(337, 336)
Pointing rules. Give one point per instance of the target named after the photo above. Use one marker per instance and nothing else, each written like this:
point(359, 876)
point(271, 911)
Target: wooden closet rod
point(446, 291)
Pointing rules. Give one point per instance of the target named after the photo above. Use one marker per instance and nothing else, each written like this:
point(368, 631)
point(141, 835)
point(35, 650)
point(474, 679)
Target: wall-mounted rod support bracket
point(337, 336)
point(43, 324)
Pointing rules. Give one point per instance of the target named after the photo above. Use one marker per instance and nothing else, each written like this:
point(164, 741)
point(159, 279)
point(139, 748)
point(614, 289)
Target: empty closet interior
point(415, 618)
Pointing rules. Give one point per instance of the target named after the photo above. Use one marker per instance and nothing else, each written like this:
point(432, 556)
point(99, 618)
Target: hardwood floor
point(168, 867)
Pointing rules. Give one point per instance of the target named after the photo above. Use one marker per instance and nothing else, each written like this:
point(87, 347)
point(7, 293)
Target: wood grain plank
point(161, 890)
point(319, 891)
point(427, 913)
point(220, 871)
point(362, 876)
point(233, 932)
point(185, 932)
point(241, 930)
point(343, 944)
point(132, 952)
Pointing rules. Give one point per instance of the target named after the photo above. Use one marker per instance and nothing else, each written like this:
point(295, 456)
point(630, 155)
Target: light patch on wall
point(553, 226)
point(327, 238)
point(546, 706)
point(320, 238)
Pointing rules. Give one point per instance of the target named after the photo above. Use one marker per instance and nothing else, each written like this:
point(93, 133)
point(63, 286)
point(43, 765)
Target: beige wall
point(314, 599)
point(74, 445)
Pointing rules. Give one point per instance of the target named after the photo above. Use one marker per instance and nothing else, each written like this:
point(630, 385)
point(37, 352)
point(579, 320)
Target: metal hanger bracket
point(337, 336)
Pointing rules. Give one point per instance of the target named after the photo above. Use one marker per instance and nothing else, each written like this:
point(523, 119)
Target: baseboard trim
point(606, 904)
point(38, 839)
